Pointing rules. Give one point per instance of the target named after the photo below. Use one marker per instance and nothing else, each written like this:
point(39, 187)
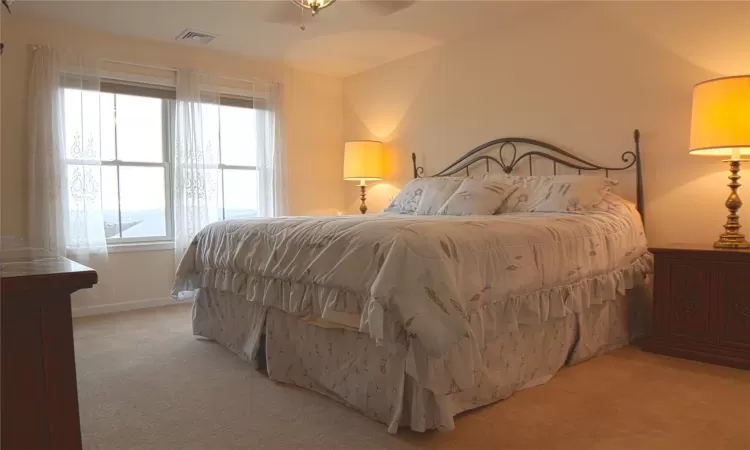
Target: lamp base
point(732, 238)
point(726, 241)
point(362, 197)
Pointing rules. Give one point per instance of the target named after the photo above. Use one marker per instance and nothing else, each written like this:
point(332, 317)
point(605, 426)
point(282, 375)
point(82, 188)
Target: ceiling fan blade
point(286, 13)
point(386, 7)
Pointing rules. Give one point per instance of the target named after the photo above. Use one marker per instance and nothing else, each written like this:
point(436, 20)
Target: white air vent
point(195, 36)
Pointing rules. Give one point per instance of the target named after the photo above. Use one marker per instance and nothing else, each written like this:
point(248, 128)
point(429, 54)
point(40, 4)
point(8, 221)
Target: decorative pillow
point(613, 203)
point(574, 193)
point(407, 201)
point(519, 199)
point(436, 192)
point(477, 197)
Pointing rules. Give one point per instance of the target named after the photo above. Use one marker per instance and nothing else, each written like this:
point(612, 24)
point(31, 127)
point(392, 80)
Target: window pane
point(110, 210)
point(238, 136)
point(139, 128)
point(143, 205)
point(209, 132)
point(107, 107)
point(240, 194)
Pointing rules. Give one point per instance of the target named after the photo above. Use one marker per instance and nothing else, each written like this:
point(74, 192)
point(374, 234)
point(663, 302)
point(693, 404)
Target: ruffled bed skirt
point(351, 367)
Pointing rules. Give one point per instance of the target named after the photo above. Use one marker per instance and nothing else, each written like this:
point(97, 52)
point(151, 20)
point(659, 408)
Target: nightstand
point(702, 304)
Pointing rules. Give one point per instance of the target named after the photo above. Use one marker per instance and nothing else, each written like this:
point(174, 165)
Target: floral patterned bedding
point(447, 285)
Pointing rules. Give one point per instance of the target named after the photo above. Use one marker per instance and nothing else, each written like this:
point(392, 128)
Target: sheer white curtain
point(64, 142)
point(271, 152)
point(195, 158)
point(196, 174)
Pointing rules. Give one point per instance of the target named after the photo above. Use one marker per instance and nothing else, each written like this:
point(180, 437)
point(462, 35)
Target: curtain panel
point(197, 157)
point(65, 203)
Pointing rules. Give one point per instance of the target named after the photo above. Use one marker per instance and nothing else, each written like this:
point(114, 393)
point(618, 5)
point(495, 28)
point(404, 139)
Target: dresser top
point(34, 269)
point(32, 261)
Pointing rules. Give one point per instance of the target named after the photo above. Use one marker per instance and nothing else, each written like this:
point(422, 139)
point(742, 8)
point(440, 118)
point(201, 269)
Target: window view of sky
point(131, 129)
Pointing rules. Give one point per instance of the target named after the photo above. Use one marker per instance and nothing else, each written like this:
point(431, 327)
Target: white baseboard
point(126, 306)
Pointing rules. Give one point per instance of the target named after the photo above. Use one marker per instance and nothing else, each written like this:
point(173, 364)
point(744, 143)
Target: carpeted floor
point(146, 383)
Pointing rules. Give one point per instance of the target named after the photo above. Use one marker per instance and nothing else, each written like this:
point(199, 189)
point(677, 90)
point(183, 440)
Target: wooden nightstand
point(702, 304)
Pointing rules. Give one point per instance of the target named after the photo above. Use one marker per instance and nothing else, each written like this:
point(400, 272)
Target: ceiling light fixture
point(314, 5)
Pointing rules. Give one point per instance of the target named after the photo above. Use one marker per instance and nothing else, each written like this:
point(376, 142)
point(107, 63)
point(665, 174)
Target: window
point(126, 129)
point(237, 155)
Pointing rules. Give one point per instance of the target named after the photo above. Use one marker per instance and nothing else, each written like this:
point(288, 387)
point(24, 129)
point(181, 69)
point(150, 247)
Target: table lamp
point(363, 161)
point(720, 126)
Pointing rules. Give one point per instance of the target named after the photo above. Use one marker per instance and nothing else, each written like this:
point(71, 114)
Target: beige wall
point(313, 109)
point(572, 78)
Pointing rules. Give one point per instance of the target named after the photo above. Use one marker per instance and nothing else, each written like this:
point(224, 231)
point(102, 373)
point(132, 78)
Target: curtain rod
point(171, 69)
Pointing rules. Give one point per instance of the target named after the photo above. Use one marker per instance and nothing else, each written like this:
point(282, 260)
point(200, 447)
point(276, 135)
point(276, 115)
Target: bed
point(414, 319)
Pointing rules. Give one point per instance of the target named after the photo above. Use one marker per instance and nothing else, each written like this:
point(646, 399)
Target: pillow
point(613, 203)
point(477, 197)
point(519, 199)
point(407, 200)
point(436, 192)
point(573, 193)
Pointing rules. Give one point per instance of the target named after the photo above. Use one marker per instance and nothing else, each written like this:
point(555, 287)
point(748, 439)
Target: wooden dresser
point(39, 396)
point(702, 304)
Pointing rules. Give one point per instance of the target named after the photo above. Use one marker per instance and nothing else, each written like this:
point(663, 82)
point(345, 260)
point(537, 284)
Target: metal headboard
point(545, 151)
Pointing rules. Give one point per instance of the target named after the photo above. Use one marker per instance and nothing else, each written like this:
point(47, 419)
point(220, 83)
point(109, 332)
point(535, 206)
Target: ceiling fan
point(292, 12)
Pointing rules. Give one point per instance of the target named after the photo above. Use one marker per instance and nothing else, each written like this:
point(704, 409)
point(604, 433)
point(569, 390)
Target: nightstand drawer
point(702, 305)
point(688, 299)
point(734, 288)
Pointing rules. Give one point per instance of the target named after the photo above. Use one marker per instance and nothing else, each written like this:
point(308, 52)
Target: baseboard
point(126, 306)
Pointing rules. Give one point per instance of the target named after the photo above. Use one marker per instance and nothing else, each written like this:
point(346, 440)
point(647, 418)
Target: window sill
point(141, 247)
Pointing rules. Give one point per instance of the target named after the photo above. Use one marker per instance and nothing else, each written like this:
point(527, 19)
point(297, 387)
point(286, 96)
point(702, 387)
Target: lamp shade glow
point(363, 160)
point(720, 123)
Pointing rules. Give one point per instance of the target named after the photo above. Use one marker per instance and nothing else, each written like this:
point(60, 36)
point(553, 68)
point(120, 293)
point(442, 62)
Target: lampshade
point(363, 160)
point(721, 117)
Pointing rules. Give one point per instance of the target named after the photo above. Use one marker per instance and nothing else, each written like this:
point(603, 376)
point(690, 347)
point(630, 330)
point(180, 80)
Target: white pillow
point(436, 192)
point(574, 193)
point(477, 197)
point(613, 203)
point(407, 200)
point(519, 199)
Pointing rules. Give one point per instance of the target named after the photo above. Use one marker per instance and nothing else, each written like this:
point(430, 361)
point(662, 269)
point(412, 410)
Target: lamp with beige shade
point(721, 127)
point(363, 161)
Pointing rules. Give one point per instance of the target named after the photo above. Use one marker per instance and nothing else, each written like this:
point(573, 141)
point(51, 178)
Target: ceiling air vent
point(195, 37)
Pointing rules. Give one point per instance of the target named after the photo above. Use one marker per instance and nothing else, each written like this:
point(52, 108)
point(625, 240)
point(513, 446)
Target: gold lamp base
point(732, 238)
point(362, 197)
point(726, 241)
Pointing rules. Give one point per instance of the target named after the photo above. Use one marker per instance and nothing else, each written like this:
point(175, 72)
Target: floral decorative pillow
point(613, 203)
point(407, 201)
point(520, 199)
point(436, 192)
point(477, 197)
point(570, 193)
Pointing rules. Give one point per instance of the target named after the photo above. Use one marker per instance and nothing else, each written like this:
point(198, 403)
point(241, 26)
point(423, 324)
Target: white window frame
point(153, 243)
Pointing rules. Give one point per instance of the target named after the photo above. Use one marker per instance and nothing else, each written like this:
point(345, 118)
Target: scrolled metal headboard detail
point(508, 158)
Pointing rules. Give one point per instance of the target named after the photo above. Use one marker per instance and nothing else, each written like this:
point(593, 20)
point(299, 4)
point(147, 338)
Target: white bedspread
point(445, 285)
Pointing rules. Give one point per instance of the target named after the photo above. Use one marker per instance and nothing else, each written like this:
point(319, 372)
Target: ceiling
point(344, 39)
point(348, 37)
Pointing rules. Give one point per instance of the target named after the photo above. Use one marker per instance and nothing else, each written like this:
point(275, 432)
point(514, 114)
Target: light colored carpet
point(145, 382)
